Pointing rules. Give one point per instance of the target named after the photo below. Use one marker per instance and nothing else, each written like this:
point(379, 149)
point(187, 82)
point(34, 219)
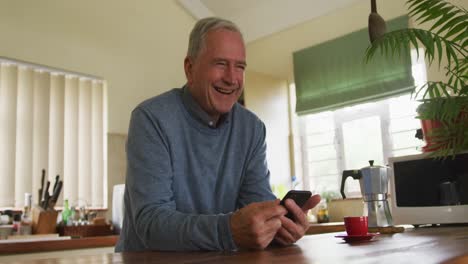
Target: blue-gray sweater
point(185, 178)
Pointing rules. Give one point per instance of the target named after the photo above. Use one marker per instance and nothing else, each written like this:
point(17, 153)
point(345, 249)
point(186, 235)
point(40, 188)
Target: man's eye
point(221, 63)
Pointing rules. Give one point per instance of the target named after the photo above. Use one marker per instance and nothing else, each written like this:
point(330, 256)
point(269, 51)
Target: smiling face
point(215, 77)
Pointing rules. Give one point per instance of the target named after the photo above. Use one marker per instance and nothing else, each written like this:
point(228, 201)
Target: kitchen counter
point(418, 245)
point(55, 245)
point(110, 241)
point(325, 228)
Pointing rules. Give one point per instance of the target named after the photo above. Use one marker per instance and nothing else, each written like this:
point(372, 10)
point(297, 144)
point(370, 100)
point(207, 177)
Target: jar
point(322, 213)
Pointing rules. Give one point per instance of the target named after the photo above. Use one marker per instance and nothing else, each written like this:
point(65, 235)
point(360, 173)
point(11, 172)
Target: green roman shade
point(334, 74)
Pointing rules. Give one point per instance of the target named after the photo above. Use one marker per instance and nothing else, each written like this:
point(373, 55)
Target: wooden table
point(421, 245)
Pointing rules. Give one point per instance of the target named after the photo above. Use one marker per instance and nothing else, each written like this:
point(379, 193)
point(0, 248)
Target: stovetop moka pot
point(374, 188)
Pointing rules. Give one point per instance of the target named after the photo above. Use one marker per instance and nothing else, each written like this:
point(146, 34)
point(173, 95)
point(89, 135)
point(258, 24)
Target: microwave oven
point(425, 190)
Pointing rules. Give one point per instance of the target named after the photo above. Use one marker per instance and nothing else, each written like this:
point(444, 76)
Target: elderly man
point(197, 176)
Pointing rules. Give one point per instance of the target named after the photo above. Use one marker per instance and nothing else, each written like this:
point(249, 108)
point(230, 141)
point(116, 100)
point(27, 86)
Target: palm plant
point(444, 101)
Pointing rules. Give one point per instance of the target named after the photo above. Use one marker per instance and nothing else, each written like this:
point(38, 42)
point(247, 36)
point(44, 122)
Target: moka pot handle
point(356, 174)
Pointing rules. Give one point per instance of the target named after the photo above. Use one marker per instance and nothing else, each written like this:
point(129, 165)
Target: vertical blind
point(52, 120)
point(333, 74)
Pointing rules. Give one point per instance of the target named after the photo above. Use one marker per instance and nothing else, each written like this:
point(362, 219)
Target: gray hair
point(201, 28)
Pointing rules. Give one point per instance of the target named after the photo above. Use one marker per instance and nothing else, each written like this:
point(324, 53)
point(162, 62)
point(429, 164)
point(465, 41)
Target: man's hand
point(255, 225)
point(293, 230)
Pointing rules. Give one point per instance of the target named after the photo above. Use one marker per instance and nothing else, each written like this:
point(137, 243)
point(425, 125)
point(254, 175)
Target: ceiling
point(260, 18)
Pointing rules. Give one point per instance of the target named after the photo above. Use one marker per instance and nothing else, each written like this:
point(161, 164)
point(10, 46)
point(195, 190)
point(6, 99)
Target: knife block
point(44, 221)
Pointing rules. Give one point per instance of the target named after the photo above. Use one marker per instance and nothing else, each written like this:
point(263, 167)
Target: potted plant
point(444, 104)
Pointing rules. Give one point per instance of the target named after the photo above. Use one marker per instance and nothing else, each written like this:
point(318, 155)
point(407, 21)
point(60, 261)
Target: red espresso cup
point(356, 225)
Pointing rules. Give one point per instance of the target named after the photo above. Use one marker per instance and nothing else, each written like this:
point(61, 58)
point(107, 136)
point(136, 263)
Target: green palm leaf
point(444, 18)
point(463, 35)
point(401, 39)
point(452, 23)
point(428, 10)
point(465, 44)
point(447, 101)
point(455, 30)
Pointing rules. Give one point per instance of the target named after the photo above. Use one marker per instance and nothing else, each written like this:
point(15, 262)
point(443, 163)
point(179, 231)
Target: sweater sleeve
point(256, 183)
point(157, 223)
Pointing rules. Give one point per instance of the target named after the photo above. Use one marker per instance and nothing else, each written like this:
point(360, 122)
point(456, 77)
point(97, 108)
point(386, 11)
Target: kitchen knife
point(55, 184)
point(46, 201)
point(46, 196)
point(41, 190)
point(55, 195)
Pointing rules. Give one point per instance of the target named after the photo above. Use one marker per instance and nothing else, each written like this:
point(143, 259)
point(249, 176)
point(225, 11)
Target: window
point(53, 120)
point(347, 138)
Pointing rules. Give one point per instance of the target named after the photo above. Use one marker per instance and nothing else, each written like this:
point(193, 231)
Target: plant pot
point(430, 113)
point(427, 127)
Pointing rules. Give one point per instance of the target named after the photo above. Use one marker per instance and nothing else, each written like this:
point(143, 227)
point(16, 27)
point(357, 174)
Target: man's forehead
point(223, 44)
point(221, 34)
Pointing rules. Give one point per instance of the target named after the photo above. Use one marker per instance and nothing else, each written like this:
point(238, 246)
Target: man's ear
point(188, 67)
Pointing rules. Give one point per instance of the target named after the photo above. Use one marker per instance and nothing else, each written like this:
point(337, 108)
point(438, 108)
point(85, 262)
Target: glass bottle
point(66, 212)
point(26, 221)
point(16, 224)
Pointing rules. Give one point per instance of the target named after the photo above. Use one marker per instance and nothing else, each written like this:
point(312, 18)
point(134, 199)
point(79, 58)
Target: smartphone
point(300, 197)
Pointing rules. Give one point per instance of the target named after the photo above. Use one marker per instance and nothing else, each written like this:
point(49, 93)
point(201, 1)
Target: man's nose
point(230, 76)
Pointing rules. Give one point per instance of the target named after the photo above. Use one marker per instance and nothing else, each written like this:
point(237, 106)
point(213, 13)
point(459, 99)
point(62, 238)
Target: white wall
point(268, 98)
point(280, 46)
point(137, 46)
point(272, 55)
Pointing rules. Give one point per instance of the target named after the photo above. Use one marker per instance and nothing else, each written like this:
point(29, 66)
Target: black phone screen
point(299, 197)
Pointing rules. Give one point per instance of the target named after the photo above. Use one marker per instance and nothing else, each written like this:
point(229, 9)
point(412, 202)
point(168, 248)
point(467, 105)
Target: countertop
point(418, 245)
point(110, 241)
point(55, 245)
